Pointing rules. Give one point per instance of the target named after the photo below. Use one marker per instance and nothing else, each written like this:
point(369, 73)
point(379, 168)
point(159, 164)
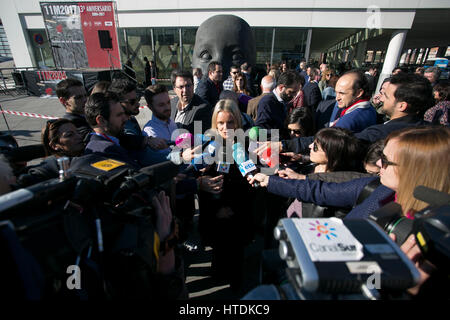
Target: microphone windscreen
point(26, 153)
point(184, 140)
point(239, 153)
point(253, 133)
point(431, 196)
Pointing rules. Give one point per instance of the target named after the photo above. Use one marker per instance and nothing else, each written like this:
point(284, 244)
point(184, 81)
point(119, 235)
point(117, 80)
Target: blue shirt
point(160, 129)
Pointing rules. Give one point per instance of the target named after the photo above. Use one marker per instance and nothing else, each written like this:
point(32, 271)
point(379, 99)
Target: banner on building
point(73, 32)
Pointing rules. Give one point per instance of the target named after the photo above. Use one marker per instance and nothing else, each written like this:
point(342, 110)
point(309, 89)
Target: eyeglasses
point(385, 162)
point(187, 86)
point(234, 72)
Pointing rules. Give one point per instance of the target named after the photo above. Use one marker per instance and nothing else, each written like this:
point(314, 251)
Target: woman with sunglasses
point(60, 139)
point(334, 150)
point(300, 123)
point(410, 158)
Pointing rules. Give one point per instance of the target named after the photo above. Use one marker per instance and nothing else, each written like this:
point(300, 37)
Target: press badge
point(223, 167)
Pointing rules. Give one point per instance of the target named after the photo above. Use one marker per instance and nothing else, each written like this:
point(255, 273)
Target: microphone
point(245, 165)
point(431, 196)
point(184, 140)
point(25, 153)
point(266, 158)
point(209, 151)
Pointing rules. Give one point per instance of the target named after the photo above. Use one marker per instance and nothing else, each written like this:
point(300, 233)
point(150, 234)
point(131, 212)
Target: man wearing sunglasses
point(126, 90)
point(228, 84)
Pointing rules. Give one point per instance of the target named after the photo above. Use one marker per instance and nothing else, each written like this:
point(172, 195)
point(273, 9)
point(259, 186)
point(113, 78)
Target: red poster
point(97, 16)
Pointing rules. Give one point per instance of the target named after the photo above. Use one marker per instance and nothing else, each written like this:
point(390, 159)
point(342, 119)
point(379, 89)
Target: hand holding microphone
point(258, 179)
point(157, 143)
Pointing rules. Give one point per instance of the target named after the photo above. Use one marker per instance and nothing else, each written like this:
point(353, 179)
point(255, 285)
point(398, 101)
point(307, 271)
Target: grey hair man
point(432, 74)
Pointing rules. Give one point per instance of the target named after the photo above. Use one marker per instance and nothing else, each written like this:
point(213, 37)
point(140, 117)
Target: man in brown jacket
point(267, 85)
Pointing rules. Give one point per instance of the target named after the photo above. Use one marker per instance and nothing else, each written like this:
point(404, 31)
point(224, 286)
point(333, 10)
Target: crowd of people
point(337, 136)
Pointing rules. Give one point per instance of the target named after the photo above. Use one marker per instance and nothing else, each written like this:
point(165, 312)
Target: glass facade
point(163, 46)
point(5, 51)
point(290, 45)
point(42, 52)
point(172, 48)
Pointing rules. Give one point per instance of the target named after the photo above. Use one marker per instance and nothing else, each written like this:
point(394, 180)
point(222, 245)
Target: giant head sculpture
point(224, 38)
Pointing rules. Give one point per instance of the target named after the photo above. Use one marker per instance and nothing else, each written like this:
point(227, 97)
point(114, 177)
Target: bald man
point(267, 85)
point(353, 109)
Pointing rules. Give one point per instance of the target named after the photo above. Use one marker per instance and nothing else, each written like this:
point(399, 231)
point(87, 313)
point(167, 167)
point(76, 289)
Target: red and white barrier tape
point(35, 115)
point(28, 114)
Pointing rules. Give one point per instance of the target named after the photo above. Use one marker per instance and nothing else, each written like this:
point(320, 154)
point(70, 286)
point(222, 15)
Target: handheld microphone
point(184, 140)
point(267, 158)
point(209, 151)
point(245, 165)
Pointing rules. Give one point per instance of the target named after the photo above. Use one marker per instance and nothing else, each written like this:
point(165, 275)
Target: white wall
point(395, 14)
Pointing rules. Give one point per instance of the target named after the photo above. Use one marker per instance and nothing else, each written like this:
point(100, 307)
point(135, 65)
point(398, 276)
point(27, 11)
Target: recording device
point(205, 158)
point(98, 217)
point(392, 220)
point(148, 177)
point(25, 153)
point(245, 165)
point(431, 226)
point(266, 157)
point(329, 257)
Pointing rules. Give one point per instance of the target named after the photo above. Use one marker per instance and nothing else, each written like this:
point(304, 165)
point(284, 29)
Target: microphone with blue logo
point(245, 165)
point(209, 146)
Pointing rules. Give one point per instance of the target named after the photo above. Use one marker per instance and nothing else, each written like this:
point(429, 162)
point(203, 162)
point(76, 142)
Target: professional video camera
point(356, 259)
point(430, 226)
point(98, 217)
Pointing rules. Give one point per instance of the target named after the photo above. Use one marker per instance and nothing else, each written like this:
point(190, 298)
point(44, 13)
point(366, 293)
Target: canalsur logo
point(323, 229)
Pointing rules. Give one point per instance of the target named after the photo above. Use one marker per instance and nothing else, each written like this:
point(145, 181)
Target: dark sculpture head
point(224, 38)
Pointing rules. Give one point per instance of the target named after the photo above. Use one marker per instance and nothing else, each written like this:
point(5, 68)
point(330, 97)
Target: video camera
point(98, 216)
point(431, 226)
point(356, 259)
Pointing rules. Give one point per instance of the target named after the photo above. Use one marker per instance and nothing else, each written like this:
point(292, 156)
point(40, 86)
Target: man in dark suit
point(272, 110)
point(107, 118)
point(187, 107)
point(267, 85)
point(311, 91)
point(210, 87)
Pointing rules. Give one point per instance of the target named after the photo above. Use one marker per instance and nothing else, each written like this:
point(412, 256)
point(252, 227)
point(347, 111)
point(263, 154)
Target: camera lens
point(401, 227)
